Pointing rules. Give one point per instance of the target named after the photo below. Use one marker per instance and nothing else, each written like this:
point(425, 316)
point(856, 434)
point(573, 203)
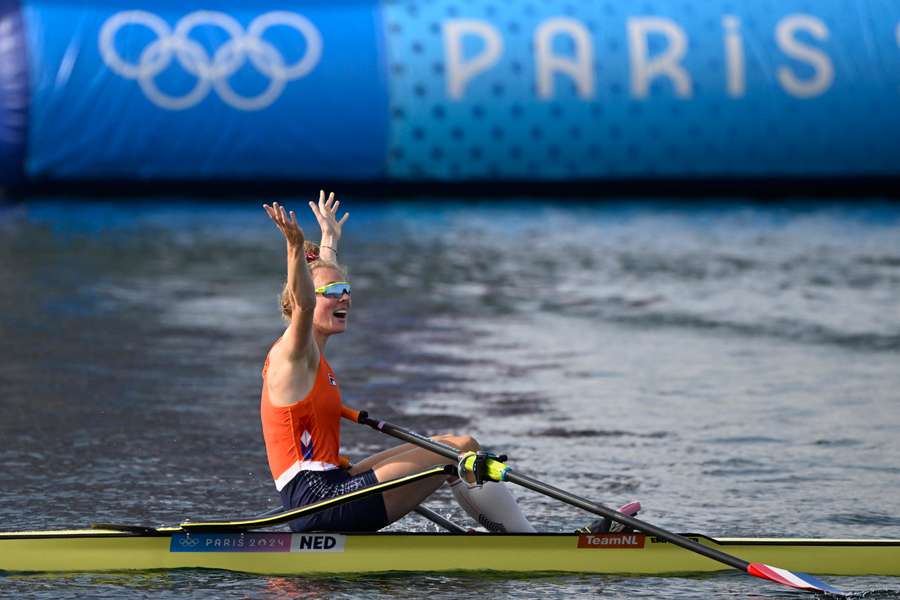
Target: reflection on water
point(720, 363)
point(198, 583)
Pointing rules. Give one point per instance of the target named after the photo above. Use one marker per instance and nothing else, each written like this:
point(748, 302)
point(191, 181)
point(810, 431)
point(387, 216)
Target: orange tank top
point(305, 435)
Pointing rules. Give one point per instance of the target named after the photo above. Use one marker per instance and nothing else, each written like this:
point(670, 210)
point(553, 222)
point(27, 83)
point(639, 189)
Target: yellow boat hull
point(284, 553)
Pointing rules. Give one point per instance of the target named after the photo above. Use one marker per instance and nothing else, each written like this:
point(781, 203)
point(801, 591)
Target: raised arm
point(326, 214)
point(298, 338)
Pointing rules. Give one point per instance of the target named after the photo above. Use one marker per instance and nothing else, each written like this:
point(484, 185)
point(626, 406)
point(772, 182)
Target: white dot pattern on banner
point(500, 128)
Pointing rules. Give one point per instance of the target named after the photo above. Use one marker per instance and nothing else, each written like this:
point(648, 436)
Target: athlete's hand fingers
point(344, 218)
point(276, 212)
point(315, 210)
point(272, 211)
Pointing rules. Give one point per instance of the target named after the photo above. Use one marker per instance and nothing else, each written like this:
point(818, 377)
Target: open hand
point(326, 215)
point(286, 223)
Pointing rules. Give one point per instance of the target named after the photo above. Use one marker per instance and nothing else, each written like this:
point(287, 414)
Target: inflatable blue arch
point(448, 90)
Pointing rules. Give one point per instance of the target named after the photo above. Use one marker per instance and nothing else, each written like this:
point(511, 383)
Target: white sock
point(492, 505)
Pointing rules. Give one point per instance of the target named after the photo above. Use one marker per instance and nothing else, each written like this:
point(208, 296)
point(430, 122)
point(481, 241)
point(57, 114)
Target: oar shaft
point(411, 437)
point(561, 495)
point(438, 519)
point(598, 509)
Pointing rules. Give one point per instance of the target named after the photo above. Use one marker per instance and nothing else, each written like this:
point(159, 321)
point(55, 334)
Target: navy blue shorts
point(367, 514)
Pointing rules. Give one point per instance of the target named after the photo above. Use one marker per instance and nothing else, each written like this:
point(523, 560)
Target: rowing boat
point(250, 545)
point(268, 552)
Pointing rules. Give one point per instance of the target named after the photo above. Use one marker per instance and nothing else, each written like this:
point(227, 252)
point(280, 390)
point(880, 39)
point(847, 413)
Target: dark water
point(735, 367)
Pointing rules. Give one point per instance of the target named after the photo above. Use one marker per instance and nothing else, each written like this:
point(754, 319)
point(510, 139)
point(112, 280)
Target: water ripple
point(595, 433)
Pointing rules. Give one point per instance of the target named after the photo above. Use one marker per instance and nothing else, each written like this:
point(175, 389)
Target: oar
point(498, 471)
point(437, 519)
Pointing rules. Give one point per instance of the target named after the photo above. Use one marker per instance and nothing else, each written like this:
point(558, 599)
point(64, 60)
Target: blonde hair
point(313, 262)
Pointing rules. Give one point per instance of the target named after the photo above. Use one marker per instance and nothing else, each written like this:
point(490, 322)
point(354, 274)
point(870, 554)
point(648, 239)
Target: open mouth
point(340, 313)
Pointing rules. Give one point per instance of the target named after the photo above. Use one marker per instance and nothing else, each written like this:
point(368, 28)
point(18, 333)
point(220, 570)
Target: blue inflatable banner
point(563, 89)
point(450, 90)
point(13, 92)
point(177, 90)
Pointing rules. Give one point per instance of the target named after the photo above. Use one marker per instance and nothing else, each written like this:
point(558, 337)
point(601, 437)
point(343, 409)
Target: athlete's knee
point(460, 442)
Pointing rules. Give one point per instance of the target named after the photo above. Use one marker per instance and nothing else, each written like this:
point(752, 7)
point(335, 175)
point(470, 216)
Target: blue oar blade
point(800, 581)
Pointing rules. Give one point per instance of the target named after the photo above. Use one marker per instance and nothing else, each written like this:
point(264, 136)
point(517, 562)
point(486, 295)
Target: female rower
point(301, 405)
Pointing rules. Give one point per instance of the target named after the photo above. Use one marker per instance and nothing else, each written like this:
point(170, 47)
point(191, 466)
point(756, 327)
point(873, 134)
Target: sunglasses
point(334, 290)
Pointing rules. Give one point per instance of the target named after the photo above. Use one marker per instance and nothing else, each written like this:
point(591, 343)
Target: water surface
point(732, 366)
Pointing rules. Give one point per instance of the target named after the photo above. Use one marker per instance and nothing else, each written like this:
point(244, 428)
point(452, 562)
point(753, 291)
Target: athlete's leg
point(381, 457)
point(490, 504)
point(400, 501)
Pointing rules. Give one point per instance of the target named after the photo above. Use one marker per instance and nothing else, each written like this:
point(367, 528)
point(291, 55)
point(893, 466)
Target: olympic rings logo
point(211, 72)
point(189, 541)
